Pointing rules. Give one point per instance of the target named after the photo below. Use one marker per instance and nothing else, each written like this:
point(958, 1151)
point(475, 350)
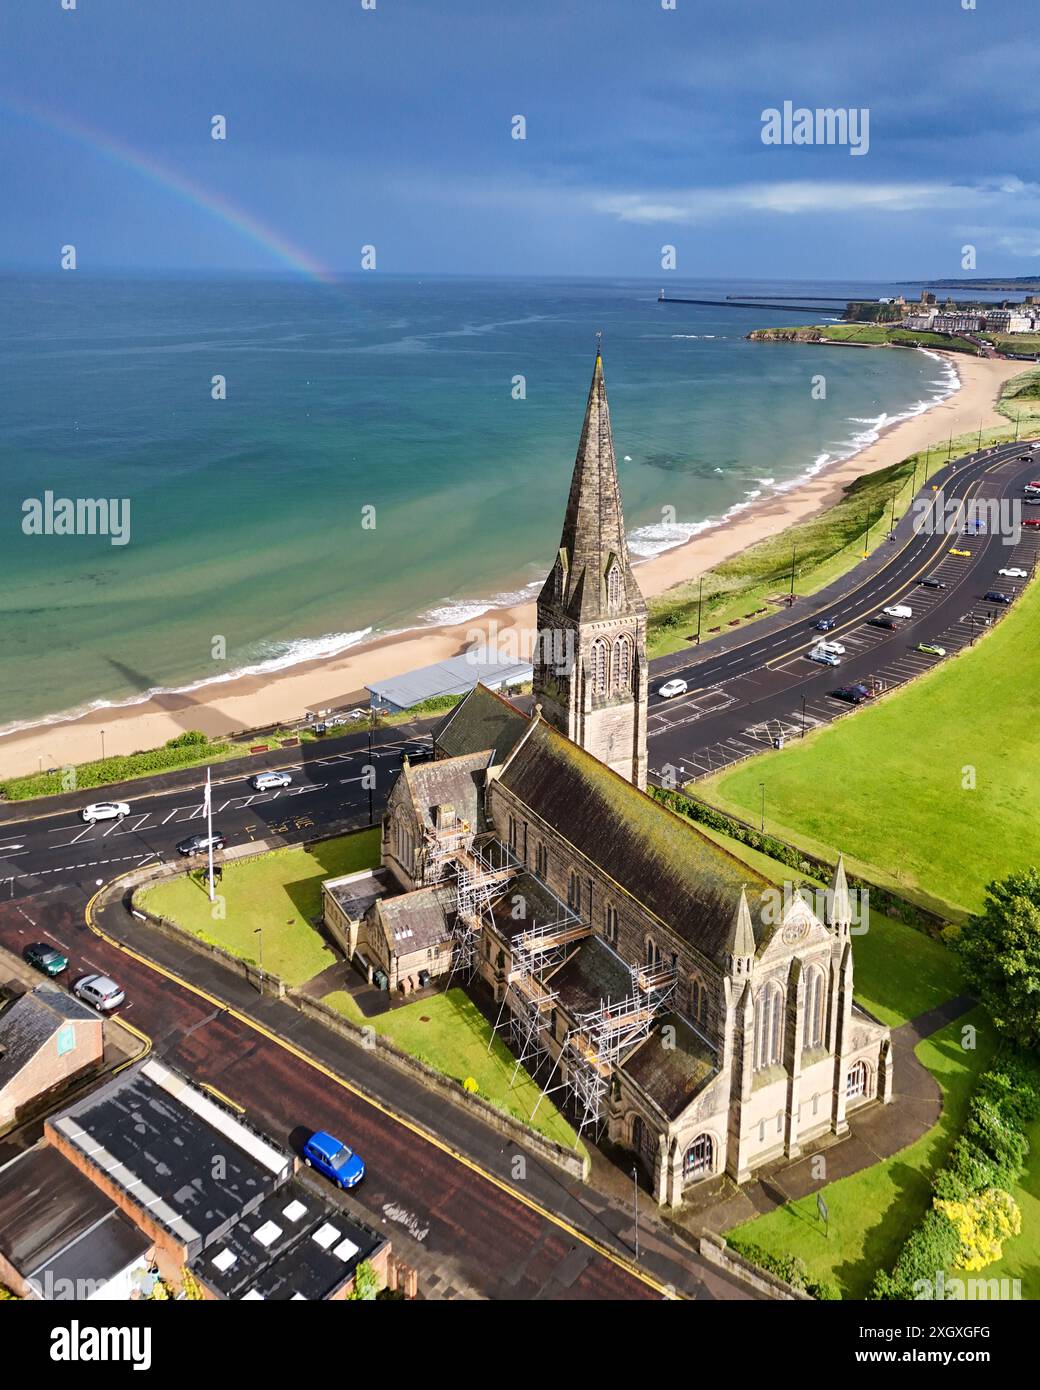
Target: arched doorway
point(699, 1158)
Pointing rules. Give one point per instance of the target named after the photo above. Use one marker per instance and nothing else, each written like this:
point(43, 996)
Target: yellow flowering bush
point(982, 1223)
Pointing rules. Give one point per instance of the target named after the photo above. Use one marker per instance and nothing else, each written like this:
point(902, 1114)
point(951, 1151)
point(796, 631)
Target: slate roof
point(671, 1075)
point(664, 862)
point(54, 1222)
point(527, 893)
point(457, 782)
point(483, 720)
point(31, 1021)
point(593, 975)
point(418, 920)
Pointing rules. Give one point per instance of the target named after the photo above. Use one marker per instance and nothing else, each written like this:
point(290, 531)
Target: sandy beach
point(256, 701)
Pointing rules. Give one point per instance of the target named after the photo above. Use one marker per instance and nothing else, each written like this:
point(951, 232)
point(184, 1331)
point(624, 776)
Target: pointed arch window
point(769, 1026)
point(614, 587)
point(598, 666)
point(698, 1160)
point(815, 1008)
point(623, 663)
point(698, 1000)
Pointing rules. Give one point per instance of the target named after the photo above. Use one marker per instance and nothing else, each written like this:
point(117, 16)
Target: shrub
point(982, 1223)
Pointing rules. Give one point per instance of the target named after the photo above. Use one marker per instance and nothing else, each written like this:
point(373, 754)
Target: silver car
point(100, 991)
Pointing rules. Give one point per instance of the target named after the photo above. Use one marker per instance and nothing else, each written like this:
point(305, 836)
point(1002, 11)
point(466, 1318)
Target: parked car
point(930, 649)
point(932, 583)
point(99, 990)
point(199, 844)
point(332, 1158)
point(421, 754)
point(359, 714)
point(267, 781)
point(824, 658)
point(995, 596)
point(1033, 522)
point(105, 810)
point(45, 957)
point(825, 624)
point(672, 688)
point(899, 610)
point(1032, 499)
point(838, 648)
point(882, 620)
point(964, 554)
point(852, 694)
point(1014, 573)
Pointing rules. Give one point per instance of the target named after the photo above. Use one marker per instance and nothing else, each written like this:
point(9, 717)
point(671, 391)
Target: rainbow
point(189, 191)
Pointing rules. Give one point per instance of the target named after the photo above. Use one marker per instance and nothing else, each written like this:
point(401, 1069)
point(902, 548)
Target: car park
point(882, 620)
point(670, 689)
point(930, 649)
point(899, 610)
point(1014, 573)
point(995, 596)
point(43, 956)
point(200, 844)
point(105, 810)
point(932, 583)
point(825, 624)
point(824, 658)
point(334, 1159)
point(268, 781)
point(964, 554)
point(99, 990)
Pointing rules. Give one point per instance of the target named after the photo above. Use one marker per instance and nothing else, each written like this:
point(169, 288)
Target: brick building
point(47, 1039)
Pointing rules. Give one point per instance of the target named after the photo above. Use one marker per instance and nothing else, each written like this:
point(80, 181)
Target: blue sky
point(391, 127)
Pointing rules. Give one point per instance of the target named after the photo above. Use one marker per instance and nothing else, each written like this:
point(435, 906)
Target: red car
point(1033, 521)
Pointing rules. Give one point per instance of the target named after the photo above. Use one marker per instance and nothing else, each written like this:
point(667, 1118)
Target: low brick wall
point(714, 1249)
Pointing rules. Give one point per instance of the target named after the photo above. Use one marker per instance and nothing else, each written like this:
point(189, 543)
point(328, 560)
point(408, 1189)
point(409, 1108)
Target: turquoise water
point(246, 514)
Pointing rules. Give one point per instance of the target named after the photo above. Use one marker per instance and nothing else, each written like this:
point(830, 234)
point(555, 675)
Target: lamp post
point(762, 820)
point(794, 557)
point(371, 725)
point(635, 1188)
point(700, 602)
point(259, 932)
point(803, 716)
point(102, 745)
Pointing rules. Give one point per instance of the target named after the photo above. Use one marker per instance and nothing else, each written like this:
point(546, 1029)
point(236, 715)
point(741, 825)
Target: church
point(667, 997)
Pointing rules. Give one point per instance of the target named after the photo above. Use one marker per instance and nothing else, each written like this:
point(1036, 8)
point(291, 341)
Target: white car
point(672, 688)
point(1014, 573)
point(824, 658)
point(99, 990)
point(105, 810)
point(838, 648)
point(900, 610)
point(359, 714)
point(267, 781)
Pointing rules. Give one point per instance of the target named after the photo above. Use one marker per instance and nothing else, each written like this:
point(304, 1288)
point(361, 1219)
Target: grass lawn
point(898, 971)
point(449, 1033)
point(892, 785)
point(279, 892)
point(873, 1211)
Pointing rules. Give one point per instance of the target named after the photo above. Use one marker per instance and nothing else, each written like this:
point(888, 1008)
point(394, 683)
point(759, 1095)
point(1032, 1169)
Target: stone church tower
point(590, 669)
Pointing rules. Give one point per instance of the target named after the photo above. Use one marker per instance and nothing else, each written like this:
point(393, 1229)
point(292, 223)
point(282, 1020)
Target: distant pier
point(663, 298)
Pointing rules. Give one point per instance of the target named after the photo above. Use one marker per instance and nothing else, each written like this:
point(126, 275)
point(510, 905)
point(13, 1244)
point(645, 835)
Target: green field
point(277, 895)
point(874, 334)
point(872, 1212)
point(933, 788)
point(449, 1033)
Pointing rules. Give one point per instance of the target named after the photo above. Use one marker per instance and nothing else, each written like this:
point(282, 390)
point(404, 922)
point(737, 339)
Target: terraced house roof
point(662, 861)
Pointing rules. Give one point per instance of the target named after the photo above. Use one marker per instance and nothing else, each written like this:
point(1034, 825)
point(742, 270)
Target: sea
point(308, 465)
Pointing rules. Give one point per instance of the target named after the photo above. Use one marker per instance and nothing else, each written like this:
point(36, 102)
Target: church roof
point(590, 977)
point(415, 921)
point(457, 782)
point(483, 720)
point(664, 862)
point(671, 1067)
point(594, 527)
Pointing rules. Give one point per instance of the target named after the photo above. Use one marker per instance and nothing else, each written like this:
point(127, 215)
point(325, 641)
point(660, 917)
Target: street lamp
point(259, 931)
point(102, 745)
point(762, 823)
point(700, 601)
point(803, 716)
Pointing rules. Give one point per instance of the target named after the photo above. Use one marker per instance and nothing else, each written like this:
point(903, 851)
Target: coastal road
point(748, 690)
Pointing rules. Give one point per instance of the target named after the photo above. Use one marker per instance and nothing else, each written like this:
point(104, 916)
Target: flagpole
point(209, 831)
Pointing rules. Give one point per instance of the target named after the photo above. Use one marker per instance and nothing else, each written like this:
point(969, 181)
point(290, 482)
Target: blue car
point(332, 1157)
point(824, 624)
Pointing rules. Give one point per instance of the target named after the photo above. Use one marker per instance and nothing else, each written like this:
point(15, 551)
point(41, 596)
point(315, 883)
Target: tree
point(366, 1283)
point(1000, 949)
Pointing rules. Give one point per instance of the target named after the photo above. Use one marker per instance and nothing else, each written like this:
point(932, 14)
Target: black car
point(825, 624)
point(199, 844)
point(932, 583)
point(422, 754)
point(852, 694)
point(995, 596)
point(45, 957)
point(883, 620)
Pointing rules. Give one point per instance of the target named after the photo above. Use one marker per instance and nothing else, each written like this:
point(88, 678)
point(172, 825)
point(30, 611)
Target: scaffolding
point(601, 1036)
point(482, 875)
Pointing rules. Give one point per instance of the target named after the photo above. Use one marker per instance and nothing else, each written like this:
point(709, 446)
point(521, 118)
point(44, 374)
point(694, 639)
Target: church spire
point(592, 543)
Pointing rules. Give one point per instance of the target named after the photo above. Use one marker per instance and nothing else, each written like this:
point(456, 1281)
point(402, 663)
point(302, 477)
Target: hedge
point(186, 750)
point(791, 1268)
point(989, 1153)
